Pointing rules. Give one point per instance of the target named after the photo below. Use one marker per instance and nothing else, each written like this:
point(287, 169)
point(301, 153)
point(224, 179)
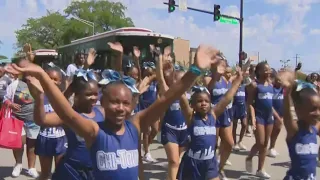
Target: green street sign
point(228, 20)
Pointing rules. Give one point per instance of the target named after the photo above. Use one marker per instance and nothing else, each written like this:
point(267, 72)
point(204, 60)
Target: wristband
point(195, 70)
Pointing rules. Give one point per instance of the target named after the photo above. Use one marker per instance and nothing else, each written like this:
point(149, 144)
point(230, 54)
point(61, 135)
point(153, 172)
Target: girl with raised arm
point(174, 135)
point(114, 144)
point(199, 161)
point(302, 133)
point(51, 141)
point(76, 164)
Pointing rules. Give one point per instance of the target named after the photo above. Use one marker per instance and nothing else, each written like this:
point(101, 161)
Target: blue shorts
point(230, 112)
point(264, 121)
point(179, 137)
point(223, 120)
point(192, 169)
point(239, 111)
point(50, 146)
point(72, 171)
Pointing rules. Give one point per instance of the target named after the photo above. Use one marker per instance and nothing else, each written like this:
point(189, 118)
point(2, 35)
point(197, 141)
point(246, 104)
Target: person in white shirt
point(78, 63)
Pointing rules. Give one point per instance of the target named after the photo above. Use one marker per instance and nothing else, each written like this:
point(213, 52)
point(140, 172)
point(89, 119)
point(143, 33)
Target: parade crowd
point(99, 124)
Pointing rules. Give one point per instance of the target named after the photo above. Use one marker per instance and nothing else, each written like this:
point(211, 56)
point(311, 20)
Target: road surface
point(276, 167)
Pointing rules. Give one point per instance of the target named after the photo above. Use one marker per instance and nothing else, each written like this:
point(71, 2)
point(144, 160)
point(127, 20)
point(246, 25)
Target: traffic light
point(243, 56)
point(171, 6)
point(216, 12)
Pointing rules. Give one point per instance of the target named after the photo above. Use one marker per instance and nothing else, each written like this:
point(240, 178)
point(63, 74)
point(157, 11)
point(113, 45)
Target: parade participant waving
point(114, 145)
point(301, 134)
point(76, 164)
point(199, 161)
point(174, 135)
point(51, 141)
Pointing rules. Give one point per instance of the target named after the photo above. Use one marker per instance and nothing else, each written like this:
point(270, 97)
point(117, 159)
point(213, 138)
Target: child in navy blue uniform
point(199, 161)
point(146, 99)
point(239, 113)
point(51, 141)
point(114, 144)
point(218, 87)
point(301, 134)
point(260, 100)
point(278, 115)
point(76, 164)
point(174, 134)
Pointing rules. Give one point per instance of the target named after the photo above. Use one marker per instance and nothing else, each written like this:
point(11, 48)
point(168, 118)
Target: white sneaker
point(16, 170)
point(148, 158)
point(263, 174)
point(249, 165)
point(273, 153)
point(236, 147)
point(33, 173)
point(248, 134)
point(223, 176)
point(228, 163)
point(242, 147)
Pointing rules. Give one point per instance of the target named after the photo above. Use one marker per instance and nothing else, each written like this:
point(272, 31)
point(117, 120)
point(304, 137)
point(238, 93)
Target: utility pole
point(296, 58)
point(258, 56)
point(241, 31)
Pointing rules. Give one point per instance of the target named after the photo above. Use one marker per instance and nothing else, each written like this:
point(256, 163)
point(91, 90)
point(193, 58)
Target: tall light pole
point(85, 22)
point(241, 31)
point(285, 63)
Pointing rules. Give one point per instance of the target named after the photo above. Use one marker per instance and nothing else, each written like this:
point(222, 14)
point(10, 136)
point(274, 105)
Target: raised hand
point(287, 78)
point(206, 57)
point(92, 54)
point(34, 86)
point(136, 52)
point(239, 72)
point(28, 68)
point(27, 48)
point(152, 47)
point(116, 47)
point(143, 85)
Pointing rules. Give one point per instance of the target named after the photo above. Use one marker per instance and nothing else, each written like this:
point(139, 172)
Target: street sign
point(228, 20)
point(183, 5)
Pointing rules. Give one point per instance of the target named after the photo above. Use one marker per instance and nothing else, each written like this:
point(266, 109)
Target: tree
point(106, 15)
point(56, 29)
point(45, 32)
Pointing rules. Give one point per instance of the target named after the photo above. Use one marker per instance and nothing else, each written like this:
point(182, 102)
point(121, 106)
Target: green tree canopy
point(56, 29)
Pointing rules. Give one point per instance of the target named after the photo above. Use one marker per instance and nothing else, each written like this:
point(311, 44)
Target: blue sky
point(277, 29)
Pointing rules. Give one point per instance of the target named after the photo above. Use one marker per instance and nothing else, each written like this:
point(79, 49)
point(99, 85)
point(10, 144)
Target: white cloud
point(314, 31)
point(265, 33)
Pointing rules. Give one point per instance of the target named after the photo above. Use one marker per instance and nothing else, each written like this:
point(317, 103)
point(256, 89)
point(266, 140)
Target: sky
point(276, 29)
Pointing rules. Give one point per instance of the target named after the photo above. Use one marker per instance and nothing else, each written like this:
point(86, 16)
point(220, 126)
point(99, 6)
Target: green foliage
point(45, 32)
point(3, 57)
point(55, 29)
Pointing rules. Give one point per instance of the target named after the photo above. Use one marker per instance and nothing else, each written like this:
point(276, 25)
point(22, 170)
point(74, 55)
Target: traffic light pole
point(241, 32)
point(226, 16)
point(207, 12)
